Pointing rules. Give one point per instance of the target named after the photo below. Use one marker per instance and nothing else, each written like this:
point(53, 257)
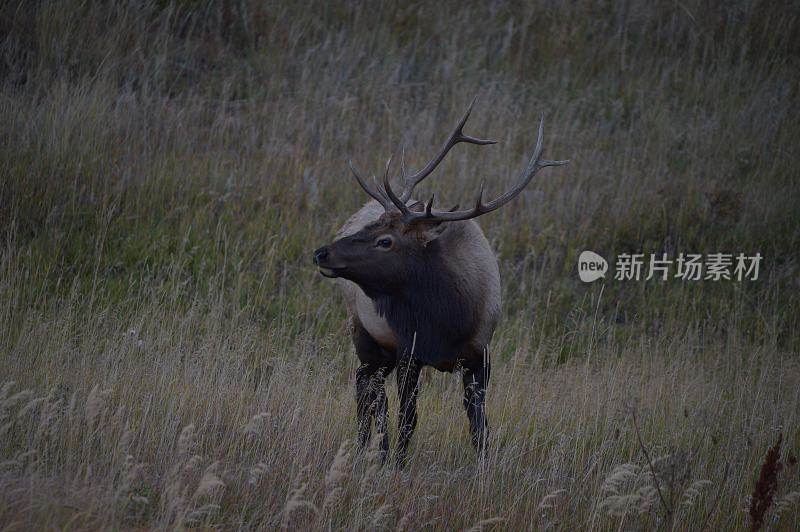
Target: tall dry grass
point(171, 432)
point(171, 358)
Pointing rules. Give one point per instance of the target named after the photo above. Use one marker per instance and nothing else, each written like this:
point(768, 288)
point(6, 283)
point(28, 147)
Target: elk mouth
point(322, 258)
point(330, 272)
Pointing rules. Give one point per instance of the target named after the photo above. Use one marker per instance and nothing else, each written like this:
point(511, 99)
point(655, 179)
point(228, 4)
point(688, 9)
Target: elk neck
point(431, 313)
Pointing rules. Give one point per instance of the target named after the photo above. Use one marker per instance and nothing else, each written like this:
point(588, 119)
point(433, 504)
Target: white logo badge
point(591, 266)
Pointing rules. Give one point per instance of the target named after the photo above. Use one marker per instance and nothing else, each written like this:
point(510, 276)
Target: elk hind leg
point(476, 378)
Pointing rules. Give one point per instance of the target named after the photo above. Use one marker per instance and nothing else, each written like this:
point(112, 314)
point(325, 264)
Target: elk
point(422, 288)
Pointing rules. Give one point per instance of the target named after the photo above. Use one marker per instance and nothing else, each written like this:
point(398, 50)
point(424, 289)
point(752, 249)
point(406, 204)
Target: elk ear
point(430, 231)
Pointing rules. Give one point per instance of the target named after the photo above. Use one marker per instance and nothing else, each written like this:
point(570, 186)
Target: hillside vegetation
point(170, 357)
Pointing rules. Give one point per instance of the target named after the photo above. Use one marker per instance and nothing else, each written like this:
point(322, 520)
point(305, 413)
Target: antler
point(377, 194)
point(455, 137)
point(387, 197)
point(480, 208)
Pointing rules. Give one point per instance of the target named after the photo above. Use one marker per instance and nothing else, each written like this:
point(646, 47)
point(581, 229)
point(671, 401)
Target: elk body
point(422, 288)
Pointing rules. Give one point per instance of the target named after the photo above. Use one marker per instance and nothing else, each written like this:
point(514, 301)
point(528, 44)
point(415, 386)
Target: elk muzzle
point(321, 258)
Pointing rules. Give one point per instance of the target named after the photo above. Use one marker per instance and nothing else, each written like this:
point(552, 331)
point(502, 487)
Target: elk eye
point(385, 243)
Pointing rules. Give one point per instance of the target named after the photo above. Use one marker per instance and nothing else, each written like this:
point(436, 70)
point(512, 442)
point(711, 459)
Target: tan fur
point(469, 257)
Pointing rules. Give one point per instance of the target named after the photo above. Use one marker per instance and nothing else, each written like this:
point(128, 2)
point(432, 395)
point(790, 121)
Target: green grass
point(166, 169)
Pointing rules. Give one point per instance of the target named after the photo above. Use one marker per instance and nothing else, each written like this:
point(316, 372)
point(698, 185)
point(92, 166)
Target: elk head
point(387, 254)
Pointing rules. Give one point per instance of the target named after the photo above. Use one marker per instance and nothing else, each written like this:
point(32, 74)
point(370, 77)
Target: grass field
point(169, 356)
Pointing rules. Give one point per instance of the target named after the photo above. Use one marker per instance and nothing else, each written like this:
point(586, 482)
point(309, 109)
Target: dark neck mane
point(432, 315)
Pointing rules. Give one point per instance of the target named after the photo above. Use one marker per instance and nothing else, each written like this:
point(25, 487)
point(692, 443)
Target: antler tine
point(385, 201)
point(378, 196)
point(387, 188)
point(429, 205)
point(455, 137)
point(479, 197)
point(535, 164)
point(480, 208)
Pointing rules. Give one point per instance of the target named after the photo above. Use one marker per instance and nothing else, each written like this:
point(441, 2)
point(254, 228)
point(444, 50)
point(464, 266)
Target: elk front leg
point(371, 403)
point(408, 370)
point(476, 378)
point(382, 413)
point(365, 401)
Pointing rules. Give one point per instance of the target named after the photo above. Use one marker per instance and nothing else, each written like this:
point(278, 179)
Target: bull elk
point(422, 288)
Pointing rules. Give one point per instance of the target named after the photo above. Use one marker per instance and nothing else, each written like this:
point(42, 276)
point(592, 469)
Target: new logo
point(591, 266)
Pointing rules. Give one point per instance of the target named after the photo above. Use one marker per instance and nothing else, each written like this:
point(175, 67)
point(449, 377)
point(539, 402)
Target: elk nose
point(320, 254)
